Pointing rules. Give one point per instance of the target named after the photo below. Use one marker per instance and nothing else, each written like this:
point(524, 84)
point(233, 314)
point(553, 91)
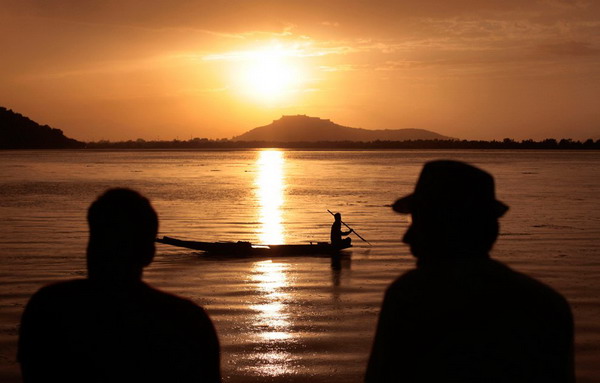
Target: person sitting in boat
point(337, 233)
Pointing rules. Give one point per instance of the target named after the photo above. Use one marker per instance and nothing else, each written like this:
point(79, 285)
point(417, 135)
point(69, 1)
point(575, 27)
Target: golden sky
point(473, 69)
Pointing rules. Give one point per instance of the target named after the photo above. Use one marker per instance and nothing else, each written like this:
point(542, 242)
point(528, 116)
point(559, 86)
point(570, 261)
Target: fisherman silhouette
point(112, 327)
point(461, 316)
point(337, 233)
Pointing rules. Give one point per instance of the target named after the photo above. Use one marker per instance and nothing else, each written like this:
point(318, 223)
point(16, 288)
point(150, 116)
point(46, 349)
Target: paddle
point(358, 235)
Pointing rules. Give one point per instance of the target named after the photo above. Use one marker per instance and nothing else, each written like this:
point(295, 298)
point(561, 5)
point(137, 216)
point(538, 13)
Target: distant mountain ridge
point(19, 132)
point(302, 128)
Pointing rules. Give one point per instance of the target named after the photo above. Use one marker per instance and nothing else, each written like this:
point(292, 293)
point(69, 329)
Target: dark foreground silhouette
point(460, 316)
point(112, 327)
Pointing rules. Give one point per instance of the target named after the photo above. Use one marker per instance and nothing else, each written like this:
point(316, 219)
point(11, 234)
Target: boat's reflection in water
point(270, 192)
point(271, 323)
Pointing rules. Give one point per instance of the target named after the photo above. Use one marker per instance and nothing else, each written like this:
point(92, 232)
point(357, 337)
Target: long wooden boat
point(248, 249)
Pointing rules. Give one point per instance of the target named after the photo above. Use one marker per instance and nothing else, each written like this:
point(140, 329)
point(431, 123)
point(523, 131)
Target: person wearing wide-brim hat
point(460, 316)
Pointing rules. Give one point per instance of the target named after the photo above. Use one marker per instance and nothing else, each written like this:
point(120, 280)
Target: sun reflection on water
point(271, 279)
point(270, 187)
point(272, 321)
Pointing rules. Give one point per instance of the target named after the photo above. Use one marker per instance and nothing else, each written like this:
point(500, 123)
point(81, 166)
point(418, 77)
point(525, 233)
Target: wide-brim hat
point(453, 186)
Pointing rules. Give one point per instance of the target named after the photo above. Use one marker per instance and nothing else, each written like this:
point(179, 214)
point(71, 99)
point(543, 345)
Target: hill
point(302, 128)
point(19, 132)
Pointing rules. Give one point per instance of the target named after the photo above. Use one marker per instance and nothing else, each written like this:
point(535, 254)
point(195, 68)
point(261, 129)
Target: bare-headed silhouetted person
point(112, 327)
point(461, 316)
point(337, 233)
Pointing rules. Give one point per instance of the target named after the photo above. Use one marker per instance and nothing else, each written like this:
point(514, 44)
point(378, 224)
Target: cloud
point(570, 49)
point(341, 68)
point(109, 67)
point(302, 48)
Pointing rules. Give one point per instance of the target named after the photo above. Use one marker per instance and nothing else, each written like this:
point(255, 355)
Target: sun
point(270, 74)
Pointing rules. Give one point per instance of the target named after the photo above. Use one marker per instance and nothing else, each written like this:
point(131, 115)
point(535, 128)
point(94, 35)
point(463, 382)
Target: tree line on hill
point(19, 132)
point(204, 143)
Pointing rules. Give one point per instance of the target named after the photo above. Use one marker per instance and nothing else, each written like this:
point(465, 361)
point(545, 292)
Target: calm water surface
point(302, 318)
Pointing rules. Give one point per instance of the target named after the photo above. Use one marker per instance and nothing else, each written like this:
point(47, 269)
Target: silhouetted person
point(461, 316)
point(337, 233)
point(112, 327)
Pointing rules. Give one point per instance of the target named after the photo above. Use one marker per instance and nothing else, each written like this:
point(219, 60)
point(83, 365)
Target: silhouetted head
point(123, 227)
point(454, 211)
point(337, 217)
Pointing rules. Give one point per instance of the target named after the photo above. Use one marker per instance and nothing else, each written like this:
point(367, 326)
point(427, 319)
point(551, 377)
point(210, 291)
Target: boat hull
point(248, 249)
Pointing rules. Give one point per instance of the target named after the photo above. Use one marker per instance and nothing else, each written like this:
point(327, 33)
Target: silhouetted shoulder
point(480, 276)
point(62, 289)
point(435, 318)
point(75, 295)
point(520, 283)
point(77, 328)
point(43, 306)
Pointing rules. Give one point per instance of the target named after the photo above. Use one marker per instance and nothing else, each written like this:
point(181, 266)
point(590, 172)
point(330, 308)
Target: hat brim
point(500, 208)
point(405, 205)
